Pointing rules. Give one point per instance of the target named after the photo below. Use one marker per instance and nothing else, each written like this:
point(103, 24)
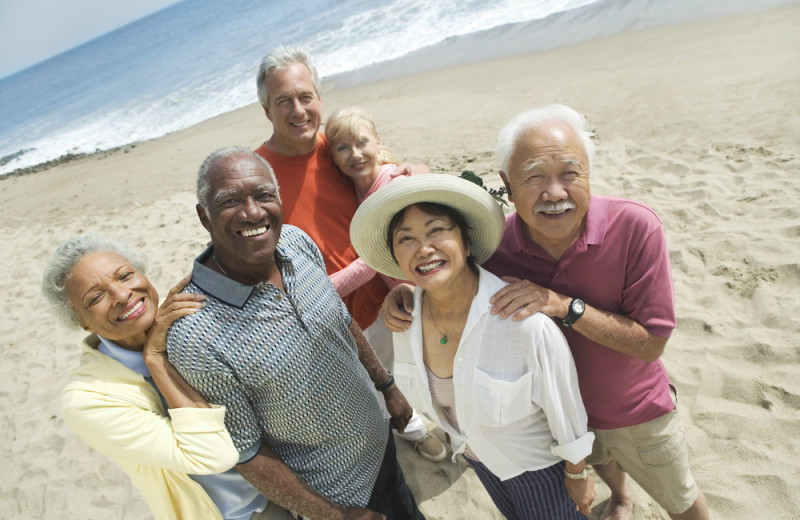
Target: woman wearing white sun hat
point(505, 392)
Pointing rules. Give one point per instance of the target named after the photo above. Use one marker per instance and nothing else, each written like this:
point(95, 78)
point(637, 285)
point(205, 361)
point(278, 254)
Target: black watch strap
point(385, 386)
point(576, 310)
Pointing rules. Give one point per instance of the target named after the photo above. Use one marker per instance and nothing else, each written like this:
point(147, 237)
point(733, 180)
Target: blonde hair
point(346, 123)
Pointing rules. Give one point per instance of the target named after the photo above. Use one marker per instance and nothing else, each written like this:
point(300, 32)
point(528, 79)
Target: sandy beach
point(701, 121)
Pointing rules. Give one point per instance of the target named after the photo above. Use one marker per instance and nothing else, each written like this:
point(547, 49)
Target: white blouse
point(516, 388)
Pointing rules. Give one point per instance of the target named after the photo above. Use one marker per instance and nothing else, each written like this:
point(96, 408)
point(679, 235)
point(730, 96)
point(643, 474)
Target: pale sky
point(34, 30)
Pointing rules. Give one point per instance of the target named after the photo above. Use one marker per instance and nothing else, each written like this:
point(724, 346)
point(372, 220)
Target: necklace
point(214, 256)
point(443, 339)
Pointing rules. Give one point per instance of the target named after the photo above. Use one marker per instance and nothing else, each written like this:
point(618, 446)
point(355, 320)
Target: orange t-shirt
point(320, 201)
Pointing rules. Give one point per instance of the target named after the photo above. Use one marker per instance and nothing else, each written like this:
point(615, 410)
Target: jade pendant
point(443, 341)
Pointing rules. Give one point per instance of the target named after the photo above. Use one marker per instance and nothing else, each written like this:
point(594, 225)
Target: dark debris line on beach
point(64, 159)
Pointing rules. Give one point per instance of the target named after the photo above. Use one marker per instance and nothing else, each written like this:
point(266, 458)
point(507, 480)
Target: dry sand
point(700, 121)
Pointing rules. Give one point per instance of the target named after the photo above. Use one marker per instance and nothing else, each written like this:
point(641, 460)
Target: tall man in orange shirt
point(316, 198)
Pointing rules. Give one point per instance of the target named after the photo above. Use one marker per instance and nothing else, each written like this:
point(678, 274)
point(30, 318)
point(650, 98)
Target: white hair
point(203, 185)
point(60, 266)
point(282, 58)
point(536, 119)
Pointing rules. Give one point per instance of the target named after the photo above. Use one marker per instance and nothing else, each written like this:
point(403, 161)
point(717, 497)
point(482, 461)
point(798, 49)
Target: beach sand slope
point(700, 121)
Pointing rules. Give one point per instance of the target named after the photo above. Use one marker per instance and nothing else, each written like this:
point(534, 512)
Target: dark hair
point(439, 210)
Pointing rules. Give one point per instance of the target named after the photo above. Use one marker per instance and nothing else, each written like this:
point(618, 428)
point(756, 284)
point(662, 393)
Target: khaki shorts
point(655, 455)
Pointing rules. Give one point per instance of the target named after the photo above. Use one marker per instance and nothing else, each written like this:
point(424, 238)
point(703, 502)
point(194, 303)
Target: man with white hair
point(599, 266)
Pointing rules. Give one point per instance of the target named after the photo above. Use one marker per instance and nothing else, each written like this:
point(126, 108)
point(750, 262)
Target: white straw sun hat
point(370, 224)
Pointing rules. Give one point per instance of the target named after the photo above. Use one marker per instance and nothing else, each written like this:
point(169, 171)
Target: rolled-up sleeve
point(193, 441)
point(560, 397)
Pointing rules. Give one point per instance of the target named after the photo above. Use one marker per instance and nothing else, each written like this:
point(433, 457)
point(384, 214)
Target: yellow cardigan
point(119, 414)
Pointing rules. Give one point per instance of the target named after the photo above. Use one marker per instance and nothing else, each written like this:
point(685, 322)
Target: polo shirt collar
point(593, 232)
point(596, 221)
point(130, 358)
point(220, 286)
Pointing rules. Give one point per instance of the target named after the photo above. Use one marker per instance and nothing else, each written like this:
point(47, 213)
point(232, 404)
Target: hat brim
point(370, 224)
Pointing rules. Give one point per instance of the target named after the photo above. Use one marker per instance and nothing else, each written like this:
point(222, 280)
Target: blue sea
point(198, 58)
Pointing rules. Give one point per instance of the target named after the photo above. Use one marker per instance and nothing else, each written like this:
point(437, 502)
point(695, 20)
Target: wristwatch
point(385, 386)
point(576, 309)
point(583, 475)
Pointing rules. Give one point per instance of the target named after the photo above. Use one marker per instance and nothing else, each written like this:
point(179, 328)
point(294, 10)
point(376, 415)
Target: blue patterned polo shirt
point(286, 367)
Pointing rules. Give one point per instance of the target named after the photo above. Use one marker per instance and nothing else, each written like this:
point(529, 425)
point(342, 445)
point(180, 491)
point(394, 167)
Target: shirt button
point(461, 359)
point(279, 297)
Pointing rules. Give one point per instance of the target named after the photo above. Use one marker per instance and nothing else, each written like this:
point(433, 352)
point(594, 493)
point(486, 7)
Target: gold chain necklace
point(443, 339)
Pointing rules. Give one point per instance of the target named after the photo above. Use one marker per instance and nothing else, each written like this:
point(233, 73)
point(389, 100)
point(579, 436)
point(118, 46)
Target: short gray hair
point(59, 269)
point(282, 58)
point(203, 185)
point(535, 119)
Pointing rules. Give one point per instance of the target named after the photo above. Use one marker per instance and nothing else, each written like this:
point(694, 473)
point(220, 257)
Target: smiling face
point(549, 181)
point(112, 298)
point(430, 249)
point(358, 156)
point(294, 109)
point(244, 217)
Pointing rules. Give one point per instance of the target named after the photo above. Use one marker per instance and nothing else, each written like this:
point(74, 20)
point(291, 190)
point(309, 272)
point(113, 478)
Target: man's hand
point(397, 406)
point(409, 169)
point(397, 307)
point(522, 298)
point(582, 493)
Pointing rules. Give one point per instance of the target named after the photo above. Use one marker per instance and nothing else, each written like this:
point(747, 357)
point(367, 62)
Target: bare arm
point(410, 169)
point(521, 298)
point(396, 404)
point(274, 479)
point(581, 491)
point(176, 391)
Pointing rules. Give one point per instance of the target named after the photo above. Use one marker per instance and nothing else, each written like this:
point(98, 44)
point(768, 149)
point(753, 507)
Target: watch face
point(578, 307)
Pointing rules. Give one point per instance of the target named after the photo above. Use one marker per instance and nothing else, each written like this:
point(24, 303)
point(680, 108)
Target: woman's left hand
point(176, 305)
point(582, 493)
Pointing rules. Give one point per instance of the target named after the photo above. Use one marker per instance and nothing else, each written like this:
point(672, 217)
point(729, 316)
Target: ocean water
point(198, 58)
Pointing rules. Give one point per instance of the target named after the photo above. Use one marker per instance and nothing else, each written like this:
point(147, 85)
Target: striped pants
point(533, 495)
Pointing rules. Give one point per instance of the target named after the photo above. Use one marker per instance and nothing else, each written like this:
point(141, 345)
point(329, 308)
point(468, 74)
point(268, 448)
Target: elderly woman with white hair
point(127, 401)
point(506, 392)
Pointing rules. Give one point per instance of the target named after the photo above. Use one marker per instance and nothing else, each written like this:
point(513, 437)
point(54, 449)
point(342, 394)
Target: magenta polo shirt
point(619, 264)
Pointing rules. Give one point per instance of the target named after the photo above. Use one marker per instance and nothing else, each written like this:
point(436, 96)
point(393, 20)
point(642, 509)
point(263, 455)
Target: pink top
point(357, 273)
point(443, 395)
point(619, 264)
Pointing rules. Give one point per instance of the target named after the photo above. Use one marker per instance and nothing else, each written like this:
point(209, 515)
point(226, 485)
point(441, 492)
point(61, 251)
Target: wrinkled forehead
point(294, 77)
point(94, 266)
point(236, 169)
point(551, 146)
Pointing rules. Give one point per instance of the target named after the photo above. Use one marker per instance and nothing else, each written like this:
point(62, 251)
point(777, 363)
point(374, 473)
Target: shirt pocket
point(498, 402)
point(407, 378)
